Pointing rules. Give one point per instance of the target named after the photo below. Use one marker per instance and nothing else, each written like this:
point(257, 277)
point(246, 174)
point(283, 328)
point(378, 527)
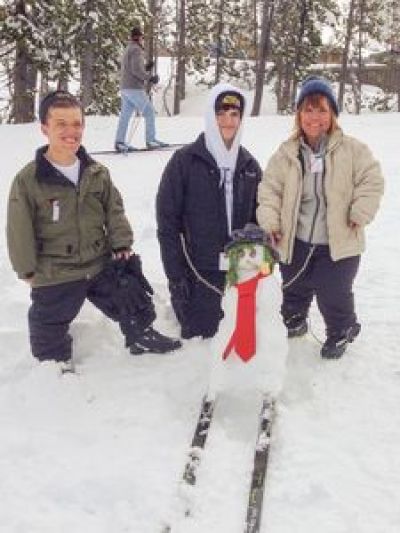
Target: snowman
point(250, 346)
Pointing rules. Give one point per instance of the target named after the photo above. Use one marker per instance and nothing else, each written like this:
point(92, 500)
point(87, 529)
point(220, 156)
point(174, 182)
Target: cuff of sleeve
point(26, 275)
point(122, 249)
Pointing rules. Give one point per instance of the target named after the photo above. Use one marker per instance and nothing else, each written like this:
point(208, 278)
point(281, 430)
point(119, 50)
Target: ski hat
point(317, 85)
point(136, 33)
point(57, 99)
point(251, 234)
point(229, 100)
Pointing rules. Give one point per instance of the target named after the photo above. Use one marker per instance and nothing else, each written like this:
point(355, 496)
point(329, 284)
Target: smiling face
point(228, 123)
point(315, 117)
point(63, 128)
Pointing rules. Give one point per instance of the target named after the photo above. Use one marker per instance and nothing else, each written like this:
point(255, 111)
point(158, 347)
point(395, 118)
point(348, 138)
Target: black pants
point(330, 281)
point(201, 314)
point(55, 307)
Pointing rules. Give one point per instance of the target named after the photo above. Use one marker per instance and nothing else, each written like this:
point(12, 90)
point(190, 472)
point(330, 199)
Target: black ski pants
point(201, 313)
point(331, 282)
point(54, 307)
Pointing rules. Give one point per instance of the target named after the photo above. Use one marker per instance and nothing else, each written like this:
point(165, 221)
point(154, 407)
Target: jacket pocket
point(54, 248)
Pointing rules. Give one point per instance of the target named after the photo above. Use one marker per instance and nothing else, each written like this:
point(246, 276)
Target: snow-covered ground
point(103, 451)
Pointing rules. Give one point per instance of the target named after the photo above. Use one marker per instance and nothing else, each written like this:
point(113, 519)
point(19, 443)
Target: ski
point(189, 476)
point(172, 146)
point(198, 441)
point(256, 493)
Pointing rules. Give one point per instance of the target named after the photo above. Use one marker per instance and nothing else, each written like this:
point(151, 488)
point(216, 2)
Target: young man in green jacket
point(69, 238)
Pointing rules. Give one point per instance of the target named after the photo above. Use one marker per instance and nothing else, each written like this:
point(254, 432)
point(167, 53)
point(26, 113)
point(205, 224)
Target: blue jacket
point(191, 201)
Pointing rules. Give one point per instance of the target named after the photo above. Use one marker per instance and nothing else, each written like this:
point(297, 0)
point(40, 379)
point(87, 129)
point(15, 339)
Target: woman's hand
point(276, 237)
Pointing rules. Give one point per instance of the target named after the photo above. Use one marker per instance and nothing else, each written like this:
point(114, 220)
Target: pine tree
point(296, 44)
point(22, 40)
point(392, 34)
point(362, 23)
point(268, 9)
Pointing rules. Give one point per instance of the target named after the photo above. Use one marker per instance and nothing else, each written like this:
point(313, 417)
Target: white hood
point(215, 145)
point(225, 157)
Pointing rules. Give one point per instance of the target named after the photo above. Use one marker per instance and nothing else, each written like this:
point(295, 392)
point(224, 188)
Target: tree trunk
point(180, 57)
point(267, 17)
point(219, 53)
point(151, 33)
point(25, 77)
point(356, 76)
point(255, 33)
point(87, 64)
point(286, 87)
point(345, 56)
point(44, 85)
point(298, 50)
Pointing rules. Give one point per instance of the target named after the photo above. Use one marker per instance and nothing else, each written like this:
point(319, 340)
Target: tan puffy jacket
point(353, 189)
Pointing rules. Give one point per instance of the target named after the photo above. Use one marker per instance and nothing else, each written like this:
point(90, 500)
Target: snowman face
point(250, 258)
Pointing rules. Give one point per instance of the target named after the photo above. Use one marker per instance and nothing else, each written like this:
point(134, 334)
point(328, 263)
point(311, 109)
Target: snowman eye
point(241, 254)
point(253, 252)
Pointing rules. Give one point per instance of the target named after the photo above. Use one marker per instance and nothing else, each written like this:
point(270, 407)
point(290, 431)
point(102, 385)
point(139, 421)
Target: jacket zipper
point(297, 205)
point(315, 175)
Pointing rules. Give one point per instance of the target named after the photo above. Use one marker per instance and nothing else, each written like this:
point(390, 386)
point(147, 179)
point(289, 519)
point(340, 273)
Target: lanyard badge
point(55, 204)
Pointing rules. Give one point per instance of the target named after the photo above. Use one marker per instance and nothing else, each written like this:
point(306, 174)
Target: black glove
point(132, 292)
point(149, 65)
point(134, 267)
point(154, 79)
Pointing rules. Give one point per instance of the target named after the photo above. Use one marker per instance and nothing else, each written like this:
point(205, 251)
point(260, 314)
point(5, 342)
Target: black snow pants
point(201, 314)
point(54, 307)
point(331, 282)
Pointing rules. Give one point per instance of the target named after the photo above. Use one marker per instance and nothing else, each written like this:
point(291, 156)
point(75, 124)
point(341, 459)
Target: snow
point(103, 451)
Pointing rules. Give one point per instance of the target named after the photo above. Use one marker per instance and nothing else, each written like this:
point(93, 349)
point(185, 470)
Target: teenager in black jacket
point(207, 190)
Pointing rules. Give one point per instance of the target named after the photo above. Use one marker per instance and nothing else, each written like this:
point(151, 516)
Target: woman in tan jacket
point(319, 191)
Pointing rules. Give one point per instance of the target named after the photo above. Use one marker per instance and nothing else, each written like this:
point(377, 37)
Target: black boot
point(151, 341)
point(336, 342)
point(296, 325)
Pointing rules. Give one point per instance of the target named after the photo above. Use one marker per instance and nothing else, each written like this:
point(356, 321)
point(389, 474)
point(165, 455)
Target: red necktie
point(243, 339)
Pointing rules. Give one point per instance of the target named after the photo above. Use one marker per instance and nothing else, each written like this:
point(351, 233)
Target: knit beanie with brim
point(317, 85)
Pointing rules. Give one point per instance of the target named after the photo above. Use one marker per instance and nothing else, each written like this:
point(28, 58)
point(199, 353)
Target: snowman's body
point(265, 369)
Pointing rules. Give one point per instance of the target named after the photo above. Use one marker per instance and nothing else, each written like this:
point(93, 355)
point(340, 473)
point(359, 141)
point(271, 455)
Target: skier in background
point(134, 75)
point(208, 189)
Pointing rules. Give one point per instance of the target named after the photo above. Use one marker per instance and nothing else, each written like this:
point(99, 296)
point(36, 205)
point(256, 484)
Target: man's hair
point(57, 99)
point(229, 100)
point(136, 33)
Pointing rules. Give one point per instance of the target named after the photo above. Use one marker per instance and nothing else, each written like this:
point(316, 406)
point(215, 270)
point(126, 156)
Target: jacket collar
point(47, 173)
point(292, 145)
point(198, 148)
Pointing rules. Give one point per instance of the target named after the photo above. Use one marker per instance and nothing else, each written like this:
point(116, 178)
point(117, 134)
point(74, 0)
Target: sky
point(102, 451)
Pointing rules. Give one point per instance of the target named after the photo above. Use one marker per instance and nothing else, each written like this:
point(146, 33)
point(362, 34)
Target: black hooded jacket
point(191, 201)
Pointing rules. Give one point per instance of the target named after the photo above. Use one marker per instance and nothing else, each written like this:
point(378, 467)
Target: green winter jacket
point(58, 232)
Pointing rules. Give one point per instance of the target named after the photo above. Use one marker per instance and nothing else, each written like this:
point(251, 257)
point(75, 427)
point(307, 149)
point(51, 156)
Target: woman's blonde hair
point(315, 101)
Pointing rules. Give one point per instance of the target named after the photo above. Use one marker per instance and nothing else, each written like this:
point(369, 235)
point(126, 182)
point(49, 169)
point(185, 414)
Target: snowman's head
point(247, 260)
point(249, 251)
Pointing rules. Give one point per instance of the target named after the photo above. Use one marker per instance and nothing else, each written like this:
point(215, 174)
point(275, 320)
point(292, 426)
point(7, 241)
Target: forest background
point(77, 45)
